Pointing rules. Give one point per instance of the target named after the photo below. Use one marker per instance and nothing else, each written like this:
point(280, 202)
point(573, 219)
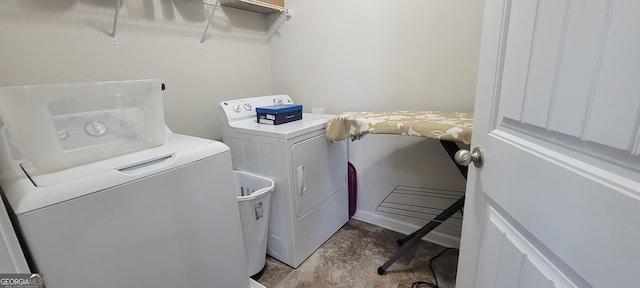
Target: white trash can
point(254, 201)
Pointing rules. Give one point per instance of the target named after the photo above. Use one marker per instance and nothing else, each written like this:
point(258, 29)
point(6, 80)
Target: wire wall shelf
point(248, 5)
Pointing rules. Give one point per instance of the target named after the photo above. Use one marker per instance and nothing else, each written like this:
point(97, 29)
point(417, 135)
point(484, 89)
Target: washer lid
point(309, 122)
point(27, 191)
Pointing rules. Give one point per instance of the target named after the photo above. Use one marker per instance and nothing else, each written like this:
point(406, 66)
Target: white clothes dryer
point(310, 201)
point(161, 217)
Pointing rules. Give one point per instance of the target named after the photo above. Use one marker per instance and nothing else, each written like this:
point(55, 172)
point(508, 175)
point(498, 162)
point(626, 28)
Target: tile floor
point(351, 257)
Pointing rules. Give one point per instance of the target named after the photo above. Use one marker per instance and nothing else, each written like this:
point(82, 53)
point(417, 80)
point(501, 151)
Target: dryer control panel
point(239, 109)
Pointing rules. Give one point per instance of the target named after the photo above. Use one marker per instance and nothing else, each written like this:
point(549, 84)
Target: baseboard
point(404, 228)
point(255, 284)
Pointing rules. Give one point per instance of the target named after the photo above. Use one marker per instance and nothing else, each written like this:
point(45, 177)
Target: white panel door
point(557, 202)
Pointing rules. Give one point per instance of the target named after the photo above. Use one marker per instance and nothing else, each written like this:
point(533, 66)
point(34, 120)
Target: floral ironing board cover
point(449, 126)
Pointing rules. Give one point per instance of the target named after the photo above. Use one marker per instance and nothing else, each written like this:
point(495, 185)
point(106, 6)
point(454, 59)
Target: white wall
point(349, 55)
point(62, 41)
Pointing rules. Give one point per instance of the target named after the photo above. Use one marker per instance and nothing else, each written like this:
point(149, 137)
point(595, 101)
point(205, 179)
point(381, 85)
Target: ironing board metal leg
point(410, 240)
point(421, 232)
point(451, 149)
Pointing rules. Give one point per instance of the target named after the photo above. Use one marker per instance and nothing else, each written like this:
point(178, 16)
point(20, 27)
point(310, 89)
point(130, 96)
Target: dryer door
point(319, 170)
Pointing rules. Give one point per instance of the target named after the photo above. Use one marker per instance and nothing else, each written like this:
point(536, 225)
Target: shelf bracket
point(206, 28)
point(286, 13)
point(115, 23)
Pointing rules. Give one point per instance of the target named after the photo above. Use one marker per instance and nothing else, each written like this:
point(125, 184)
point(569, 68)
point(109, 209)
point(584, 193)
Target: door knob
point(464, 157)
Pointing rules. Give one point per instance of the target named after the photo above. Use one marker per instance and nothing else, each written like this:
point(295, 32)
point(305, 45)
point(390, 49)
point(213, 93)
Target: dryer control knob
point(247, 106)
point(237, 108)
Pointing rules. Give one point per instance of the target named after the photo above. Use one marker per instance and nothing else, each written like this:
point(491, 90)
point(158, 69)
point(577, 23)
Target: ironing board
point(447, 127)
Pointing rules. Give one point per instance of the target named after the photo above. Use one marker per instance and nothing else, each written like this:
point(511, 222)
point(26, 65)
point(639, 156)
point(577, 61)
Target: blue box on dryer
point(279, 114)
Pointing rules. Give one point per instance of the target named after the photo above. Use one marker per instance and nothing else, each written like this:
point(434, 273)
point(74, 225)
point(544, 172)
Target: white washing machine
point(310, 201)
point(11, 257)
point(161, 217)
